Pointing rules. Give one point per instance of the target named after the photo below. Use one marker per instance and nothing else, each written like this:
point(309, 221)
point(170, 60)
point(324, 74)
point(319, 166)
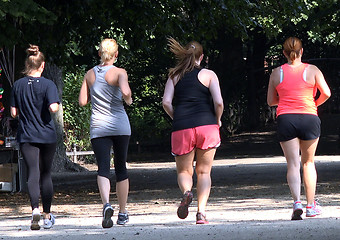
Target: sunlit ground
point(241, 201)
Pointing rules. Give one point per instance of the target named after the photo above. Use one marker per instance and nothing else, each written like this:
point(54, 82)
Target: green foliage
point(237, 36)
point(233, 116)
point(76, 118)
point(323, 24)
point(227, 30)
point(16, 14)
point(148, 121)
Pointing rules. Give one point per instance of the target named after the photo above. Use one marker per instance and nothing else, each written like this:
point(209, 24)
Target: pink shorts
point(202, 137)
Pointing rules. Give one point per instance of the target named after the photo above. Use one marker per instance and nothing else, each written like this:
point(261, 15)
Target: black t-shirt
point(193, 105)
point(32, 96)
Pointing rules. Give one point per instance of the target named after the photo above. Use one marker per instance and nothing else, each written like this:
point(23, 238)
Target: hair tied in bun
point(33, 60)
point(33, 50)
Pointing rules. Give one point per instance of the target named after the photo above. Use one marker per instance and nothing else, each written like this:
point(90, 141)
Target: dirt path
point(249, 200)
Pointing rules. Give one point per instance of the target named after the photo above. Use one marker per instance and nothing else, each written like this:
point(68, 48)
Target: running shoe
point(35, 219)
point(313, 210)
point(183, 209)
point(107, 214)
point(297, 211)
point(49, 222)
point(201, 218)
point(122, 218)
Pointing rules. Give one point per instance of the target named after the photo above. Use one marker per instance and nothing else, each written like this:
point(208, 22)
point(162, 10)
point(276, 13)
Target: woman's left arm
point(272, 96)
point(54, 107)
point(14, 112)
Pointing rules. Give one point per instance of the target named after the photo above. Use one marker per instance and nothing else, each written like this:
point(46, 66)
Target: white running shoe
point(313, 210)
point(297, 211)
point(48, 223)
point(35, 219)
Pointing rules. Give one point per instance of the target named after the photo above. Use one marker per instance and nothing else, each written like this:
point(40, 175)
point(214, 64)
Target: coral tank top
point(296, 95)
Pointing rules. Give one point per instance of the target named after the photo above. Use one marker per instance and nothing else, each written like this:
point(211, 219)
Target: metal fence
point(76, 153)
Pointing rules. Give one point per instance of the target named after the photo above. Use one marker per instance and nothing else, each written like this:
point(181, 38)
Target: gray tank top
point(108, 116)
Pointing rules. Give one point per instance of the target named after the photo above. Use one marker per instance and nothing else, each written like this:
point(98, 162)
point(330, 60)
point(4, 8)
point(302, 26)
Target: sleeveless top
point(108, 116)
point(193, 105)
point(296, 95)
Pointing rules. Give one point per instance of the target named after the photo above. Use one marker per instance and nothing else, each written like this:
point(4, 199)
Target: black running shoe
point(183, 209)
point(122, 218)
point(107, 214)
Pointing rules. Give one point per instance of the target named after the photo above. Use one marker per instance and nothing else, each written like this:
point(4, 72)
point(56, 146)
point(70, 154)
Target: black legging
point(39, 158)
point(102, 147)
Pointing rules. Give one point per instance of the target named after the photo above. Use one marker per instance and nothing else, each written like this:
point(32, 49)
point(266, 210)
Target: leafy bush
point(76, 118)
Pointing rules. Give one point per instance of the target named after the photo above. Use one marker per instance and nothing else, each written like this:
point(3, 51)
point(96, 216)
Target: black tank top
point(193, 105)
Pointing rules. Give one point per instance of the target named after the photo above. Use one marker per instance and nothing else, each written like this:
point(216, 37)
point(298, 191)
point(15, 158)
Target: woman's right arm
point(272, 96)
point(84, 94)
point(167, 98)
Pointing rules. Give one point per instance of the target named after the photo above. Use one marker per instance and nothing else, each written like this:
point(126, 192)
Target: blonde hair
point(292, 47)
point(107, 49)
point(186, 57)
point(33, 60)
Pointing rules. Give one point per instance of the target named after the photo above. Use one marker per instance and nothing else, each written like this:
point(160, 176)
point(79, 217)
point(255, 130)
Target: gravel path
point(249, 200)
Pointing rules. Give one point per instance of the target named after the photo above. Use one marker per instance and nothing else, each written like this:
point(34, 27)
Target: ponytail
point(292, 47)
point(186, 57)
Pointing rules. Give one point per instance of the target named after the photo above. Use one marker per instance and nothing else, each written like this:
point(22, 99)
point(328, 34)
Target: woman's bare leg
point(185, 171)
point(308, 149)
point(204, 161)
point(291, 150)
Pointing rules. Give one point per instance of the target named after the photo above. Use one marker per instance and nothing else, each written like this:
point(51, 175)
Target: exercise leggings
point(39, 158)
point(102, 150)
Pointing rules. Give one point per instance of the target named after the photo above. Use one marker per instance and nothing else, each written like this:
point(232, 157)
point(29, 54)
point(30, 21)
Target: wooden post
point(74, 153)
point(138, 147)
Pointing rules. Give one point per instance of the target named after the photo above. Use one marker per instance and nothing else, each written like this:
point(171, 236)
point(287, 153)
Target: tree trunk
point(255, 78)
point(229, 68)
point(253, 111)
point(61, 161)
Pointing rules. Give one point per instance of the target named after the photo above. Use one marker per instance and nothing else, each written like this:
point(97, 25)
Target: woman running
point(33, 99)
point(107, 87)
point(196, 115)
point(293, 87)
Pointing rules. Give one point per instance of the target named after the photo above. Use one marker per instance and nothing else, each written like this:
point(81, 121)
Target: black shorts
point(302, 126)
